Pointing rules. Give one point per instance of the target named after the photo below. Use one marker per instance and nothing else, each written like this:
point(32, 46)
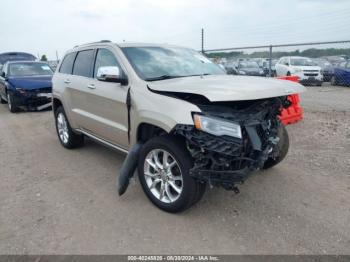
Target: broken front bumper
point(33, 100)
point(226, 160)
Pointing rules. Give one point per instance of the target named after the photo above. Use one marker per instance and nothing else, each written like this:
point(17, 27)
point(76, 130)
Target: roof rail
point(101, 41)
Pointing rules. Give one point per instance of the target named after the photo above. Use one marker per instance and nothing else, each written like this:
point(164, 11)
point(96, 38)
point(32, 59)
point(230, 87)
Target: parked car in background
point(249, 68)
point(183, 122)
point(16, 56)
point(265, 65)
point(26, 84)
point(341, 74)
point(231, 68)
point(53, 64)
point(334, 60)
point(307, 70)
point(327, 68)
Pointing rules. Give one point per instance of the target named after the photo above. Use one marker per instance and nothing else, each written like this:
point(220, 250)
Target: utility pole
point(202, 38)
point(270, 62)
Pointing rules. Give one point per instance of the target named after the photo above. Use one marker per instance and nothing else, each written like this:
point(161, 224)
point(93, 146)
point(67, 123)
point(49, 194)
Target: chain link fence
point(314, 63)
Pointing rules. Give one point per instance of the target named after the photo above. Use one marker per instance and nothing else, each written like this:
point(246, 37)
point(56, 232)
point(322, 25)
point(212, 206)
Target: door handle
point(67, 81)
point(91, 86)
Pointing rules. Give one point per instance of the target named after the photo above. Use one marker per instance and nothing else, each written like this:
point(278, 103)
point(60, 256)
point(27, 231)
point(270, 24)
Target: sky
point(46, 26)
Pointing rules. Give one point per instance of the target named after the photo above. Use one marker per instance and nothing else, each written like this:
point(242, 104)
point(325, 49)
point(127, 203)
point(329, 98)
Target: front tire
point(283, 146)
point(65, 133)
point(163, 168)
point(12, 106)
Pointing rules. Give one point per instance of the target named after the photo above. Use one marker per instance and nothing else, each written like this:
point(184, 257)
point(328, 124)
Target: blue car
point(341, 74)
point(26, 84)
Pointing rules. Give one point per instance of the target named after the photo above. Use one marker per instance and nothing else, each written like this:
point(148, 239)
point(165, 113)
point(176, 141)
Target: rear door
point(78, 88)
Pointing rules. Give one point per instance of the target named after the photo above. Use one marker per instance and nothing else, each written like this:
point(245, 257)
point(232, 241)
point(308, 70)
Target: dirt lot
point(55, 201)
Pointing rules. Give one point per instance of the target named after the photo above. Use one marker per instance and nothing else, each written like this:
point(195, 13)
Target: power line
point(280, 45)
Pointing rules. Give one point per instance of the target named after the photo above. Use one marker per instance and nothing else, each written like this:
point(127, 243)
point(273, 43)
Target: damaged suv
point(182, 122)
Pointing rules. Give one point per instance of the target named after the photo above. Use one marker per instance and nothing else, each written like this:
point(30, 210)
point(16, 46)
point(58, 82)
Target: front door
point(102, 105)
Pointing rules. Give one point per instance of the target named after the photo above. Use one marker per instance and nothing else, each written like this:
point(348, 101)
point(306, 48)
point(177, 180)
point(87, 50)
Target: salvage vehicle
point(182, 121)
point(26, 84)
point(341, 74)
point(307, 70)
point(249, 68)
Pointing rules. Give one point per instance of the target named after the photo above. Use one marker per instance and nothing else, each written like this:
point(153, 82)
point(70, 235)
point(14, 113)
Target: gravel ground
point(56, 201)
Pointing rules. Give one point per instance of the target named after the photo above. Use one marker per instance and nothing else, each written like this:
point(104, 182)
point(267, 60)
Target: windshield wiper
point(162, 77)
point(206, 74)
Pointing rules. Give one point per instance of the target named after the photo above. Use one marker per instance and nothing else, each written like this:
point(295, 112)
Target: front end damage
point(226, 160)
point(33, 99)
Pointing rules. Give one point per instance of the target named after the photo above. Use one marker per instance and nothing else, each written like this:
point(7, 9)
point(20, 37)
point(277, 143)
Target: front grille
point(310, 74)
point(43, 90)
point(310, 71)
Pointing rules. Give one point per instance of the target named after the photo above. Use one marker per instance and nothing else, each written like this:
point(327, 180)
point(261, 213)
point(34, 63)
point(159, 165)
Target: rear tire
point(283, 146)
point(156, 178)
point(65, 133)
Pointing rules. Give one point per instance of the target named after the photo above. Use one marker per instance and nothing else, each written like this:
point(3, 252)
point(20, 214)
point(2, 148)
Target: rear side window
point(83, 63)
point(67, 64)
point(104, 57)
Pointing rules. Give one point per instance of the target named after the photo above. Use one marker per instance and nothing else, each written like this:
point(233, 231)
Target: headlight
point(241, 72)
point(20, 90)
point(216, 126)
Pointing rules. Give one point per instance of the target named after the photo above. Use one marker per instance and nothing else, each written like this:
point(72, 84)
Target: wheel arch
point(56, 103)
point(146, 131)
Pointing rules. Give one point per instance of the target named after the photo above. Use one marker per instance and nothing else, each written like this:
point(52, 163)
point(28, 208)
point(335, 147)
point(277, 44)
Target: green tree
point(43, 58)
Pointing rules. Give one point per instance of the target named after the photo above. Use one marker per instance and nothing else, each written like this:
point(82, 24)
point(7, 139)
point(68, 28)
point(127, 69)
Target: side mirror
point(111, 74)
point(3, 74)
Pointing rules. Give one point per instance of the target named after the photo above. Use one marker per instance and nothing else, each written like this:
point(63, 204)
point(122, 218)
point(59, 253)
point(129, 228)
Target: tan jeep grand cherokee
point(181, 120)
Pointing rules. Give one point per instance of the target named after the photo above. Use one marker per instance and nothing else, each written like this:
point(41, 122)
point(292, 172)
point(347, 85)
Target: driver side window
point(105, 57)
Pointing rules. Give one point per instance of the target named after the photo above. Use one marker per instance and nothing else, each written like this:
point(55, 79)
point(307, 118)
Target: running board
point(102, 141)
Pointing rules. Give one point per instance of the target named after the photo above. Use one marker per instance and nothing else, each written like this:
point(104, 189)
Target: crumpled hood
point(229, 87)
point(30, 82)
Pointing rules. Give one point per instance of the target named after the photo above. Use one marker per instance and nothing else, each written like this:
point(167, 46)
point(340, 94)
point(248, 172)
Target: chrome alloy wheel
point(9, 101)
point(62, 128)
point(163, 175)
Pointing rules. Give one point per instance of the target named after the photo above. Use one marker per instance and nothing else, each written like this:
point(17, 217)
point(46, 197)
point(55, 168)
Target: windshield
point(29, 69)
point(157, 63)
point(302, 62)
point(248, 65)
